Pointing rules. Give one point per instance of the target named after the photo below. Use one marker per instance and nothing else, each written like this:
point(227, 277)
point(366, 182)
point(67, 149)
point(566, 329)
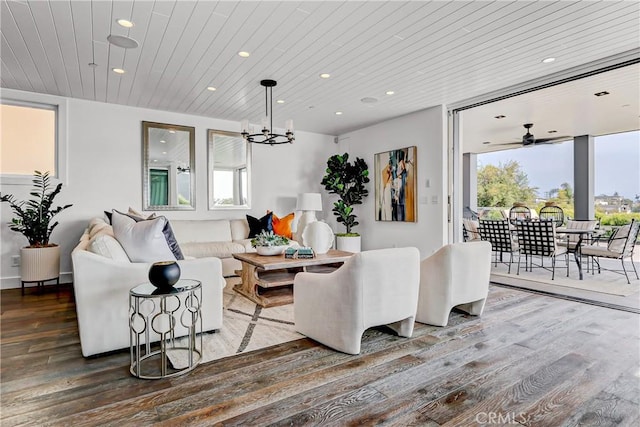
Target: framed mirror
point(168, 181)
point(229, 169)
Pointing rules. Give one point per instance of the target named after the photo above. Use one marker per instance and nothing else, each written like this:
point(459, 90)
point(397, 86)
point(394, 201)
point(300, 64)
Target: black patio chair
point(497, 232)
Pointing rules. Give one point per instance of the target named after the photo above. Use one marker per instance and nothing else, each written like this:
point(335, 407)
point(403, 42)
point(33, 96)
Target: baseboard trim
point(14, 282)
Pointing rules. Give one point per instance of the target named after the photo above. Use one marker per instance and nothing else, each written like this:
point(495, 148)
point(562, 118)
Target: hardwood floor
point(530, 359)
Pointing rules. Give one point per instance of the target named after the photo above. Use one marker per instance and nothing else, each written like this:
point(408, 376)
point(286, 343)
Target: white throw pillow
point(143, 241)
point(107, 246)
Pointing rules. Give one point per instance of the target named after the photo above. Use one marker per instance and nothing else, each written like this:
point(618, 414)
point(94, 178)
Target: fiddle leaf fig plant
point(347, 180)
point(34, 216)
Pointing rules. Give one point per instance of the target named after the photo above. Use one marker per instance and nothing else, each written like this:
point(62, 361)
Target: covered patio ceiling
point(570, 109)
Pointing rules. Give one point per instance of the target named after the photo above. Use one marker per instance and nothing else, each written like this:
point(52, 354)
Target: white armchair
point(372, 288)
point(457, 275)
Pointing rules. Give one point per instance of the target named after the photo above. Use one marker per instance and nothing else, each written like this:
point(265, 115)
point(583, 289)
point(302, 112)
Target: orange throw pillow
point(282, 226)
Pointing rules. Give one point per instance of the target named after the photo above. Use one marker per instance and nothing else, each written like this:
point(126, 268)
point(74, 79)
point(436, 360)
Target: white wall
point(105, 172)
point(426, 130)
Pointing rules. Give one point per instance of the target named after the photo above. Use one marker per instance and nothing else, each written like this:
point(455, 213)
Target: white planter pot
point(348, 243)
point(39, 264)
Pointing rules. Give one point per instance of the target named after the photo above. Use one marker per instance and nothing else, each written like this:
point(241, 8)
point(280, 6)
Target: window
point(28, 129)
point(32, 136)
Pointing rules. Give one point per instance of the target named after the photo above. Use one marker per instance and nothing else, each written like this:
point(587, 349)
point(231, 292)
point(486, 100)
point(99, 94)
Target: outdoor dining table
point(577, 253)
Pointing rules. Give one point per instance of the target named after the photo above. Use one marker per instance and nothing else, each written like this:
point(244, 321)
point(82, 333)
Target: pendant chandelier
point(268, 135)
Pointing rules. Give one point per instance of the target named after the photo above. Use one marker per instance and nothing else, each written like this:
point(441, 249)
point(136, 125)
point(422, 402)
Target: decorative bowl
point(270, 250)
point(164, 274)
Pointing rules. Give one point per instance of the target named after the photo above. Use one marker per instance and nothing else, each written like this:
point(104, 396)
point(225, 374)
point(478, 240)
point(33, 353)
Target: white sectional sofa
point(219, 238)
point(103, 276)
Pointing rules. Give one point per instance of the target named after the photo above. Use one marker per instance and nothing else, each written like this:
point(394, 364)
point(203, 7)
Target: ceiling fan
point(529, 139)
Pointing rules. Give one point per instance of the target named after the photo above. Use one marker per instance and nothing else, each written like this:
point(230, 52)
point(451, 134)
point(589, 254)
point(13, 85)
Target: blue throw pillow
point(257, 226)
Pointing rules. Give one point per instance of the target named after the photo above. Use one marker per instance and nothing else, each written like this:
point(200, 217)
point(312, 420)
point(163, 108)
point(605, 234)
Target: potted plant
point(267, 243)
point(347, 180)
point(40, 261)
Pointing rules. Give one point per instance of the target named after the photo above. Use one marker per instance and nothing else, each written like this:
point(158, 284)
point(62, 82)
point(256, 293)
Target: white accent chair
point(457, 275)
point(372, 288)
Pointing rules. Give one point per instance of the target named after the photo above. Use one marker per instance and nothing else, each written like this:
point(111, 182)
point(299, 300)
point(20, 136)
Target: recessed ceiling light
point(211, 88)
point(603, 93)
point(118, 70)
point(486, 142)
point(164, 152)
point(548, 60)
point(122, 41)
point(500, 116)
point(280, 101)
point(162, 141)
point(155, 160)
point(338, 113)
point(125, 23)
point(244, 54)
point(172, 131)
point(389, 92)
point(325, 75)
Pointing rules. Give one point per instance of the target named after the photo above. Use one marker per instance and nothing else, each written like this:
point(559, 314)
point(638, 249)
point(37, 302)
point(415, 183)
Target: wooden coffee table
point(268, 280)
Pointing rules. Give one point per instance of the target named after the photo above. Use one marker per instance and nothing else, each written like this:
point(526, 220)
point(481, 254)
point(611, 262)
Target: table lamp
point(308, 203)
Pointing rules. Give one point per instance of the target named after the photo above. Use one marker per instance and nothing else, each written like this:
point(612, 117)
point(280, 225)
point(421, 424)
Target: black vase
point(164, 274)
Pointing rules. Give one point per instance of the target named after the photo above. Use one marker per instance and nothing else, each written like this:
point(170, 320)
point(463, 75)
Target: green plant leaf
point(33, 222)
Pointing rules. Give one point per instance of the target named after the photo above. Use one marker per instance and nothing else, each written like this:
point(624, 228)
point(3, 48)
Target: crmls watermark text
point(501, 418)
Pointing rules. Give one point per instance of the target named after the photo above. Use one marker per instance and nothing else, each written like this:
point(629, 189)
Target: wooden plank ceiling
point(428, 53)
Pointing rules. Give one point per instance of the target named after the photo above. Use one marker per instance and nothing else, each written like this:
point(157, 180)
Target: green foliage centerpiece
point(347, 180)
point(268, 243)
point(267, 238)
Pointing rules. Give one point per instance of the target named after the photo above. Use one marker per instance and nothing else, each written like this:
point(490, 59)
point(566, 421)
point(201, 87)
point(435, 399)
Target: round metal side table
point(160, 315)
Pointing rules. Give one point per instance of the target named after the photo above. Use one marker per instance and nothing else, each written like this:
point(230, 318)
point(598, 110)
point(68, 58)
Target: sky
point(617, 164)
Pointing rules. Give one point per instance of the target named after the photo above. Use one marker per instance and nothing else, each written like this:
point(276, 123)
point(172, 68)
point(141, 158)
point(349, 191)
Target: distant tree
point(503, 185)
point(564, 198)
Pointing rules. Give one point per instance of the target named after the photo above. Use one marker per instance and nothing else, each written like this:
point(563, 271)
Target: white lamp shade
point(309, 202)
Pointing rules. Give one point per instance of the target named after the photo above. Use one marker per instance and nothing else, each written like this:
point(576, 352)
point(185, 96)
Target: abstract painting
point(395, 181)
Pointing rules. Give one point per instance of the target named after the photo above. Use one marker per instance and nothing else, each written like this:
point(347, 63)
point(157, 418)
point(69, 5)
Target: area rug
point(246, 327)
point(606, 282)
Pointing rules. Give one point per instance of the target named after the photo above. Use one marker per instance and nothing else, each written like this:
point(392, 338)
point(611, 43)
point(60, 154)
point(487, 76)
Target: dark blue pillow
point(257, 226)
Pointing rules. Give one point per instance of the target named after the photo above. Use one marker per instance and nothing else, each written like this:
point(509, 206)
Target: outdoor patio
point(607, 288)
